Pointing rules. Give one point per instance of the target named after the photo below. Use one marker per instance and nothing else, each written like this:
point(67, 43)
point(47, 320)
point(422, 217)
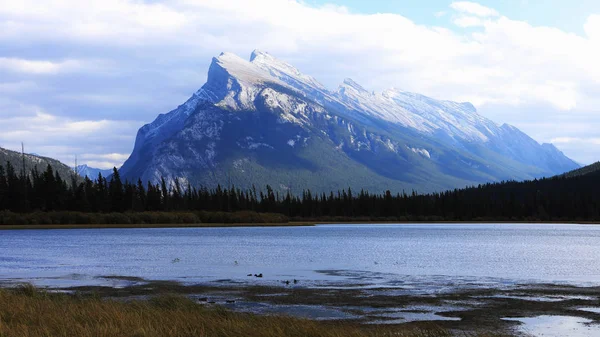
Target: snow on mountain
point(91, 172)
point(267, 120)
point(407, 109)
point(455, 119)
point(286, 73)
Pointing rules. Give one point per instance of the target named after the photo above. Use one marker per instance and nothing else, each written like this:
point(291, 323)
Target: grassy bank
point(258, 224)
point(194, 225)
point(133, 219)
point(74, 220)
point(27, 312)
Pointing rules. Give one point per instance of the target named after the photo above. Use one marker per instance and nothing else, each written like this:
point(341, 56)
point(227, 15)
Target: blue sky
point(80, 78)
point(566, 15)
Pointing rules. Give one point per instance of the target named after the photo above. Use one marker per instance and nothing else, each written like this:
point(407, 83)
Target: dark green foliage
point(127, 218)
point(47, 199)
point(584, 170)
point(33, 162)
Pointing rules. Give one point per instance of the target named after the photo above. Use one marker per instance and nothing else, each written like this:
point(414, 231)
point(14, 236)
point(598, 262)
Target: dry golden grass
point(28, 312)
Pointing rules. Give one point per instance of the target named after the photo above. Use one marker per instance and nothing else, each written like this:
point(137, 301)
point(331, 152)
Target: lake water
point(427, 256)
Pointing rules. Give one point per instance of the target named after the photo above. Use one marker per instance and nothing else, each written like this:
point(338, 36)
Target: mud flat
point(512, 309)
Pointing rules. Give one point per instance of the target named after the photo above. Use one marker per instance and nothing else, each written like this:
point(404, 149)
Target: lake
point(427, 256)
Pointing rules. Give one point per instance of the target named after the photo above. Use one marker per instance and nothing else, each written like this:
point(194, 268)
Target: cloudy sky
point(80, 77)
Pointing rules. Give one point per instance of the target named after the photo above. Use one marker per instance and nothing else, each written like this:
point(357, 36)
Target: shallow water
point(557, 326)
point(411, 258)
point(595, 310)
point(413, 313)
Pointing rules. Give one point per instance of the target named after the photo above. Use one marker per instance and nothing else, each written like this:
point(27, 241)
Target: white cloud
point(592, 27)
point(18, 87)
point(578, 140)
point(468, 21)
point(158, 52)
point(108, 156)
point(473, 8)
point(62, 138)
point(38, 67)
point(104, 160)
point(102, 99)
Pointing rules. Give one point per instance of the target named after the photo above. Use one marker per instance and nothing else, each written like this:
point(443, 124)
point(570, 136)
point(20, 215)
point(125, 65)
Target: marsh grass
point(29, 312)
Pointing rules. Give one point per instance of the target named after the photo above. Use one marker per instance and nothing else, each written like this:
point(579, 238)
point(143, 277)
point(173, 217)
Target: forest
point(44, 197)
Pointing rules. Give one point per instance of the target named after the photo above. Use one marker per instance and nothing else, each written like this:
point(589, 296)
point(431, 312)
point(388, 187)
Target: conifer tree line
point(558, 198)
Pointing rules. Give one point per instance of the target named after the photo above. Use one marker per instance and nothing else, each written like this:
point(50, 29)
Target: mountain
point(92, 173)
point(586, 170)
point(34, 161)
point(264, 122)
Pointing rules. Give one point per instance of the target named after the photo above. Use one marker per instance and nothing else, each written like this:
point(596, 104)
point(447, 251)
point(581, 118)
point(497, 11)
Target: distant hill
point(593, 168)
point(91, 172)
point(34, 161)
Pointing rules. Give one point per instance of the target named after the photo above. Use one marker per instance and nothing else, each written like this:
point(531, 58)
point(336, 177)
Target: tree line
point(550, 199)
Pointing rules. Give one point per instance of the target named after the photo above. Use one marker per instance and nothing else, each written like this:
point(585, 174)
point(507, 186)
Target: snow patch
point(253, 146)
point(388, 143)
point(239, 164)
point(421, 152)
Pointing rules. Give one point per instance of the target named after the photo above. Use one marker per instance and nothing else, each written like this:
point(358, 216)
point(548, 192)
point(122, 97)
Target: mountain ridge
point(92, 172)
point(34, 161)
point(263, 118)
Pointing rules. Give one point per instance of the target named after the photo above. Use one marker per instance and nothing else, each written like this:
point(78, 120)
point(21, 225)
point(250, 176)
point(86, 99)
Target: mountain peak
point(469, 107)
point(228, 68)
point(259, 53)
point(263, 122)
point(232, 81)
point(237, 67)
point(507, 126)
point(284, 71)
point(350, 83)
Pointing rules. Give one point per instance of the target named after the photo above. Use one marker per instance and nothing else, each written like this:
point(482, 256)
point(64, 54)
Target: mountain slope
point(450, 122)
point(91, 172)
point(34, 161)
point(586, 170)
point(264, 122)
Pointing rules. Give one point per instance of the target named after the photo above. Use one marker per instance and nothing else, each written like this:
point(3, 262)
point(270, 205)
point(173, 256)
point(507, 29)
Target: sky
point(79, 78)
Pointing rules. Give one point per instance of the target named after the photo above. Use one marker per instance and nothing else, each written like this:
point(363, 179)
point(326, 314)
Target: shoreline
point(133, 226)
point(285, 224)
point(469, 310)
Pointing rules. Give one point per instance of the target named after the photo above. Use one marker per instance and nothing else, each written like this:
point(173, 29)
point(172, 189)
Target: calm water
point(435, 255)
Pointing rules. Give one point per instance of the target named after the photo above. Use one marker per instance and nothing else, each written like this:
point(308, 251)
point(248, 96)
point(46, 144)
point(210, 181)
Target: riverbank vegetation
point(28, 312)
point(45, 198)
point(140, 218)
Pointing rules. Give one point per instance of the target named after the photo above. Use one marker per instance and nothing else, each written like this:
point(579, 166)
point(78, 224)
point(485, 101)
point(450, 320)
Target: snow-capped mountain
point(264, 122)
point(91, 172)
